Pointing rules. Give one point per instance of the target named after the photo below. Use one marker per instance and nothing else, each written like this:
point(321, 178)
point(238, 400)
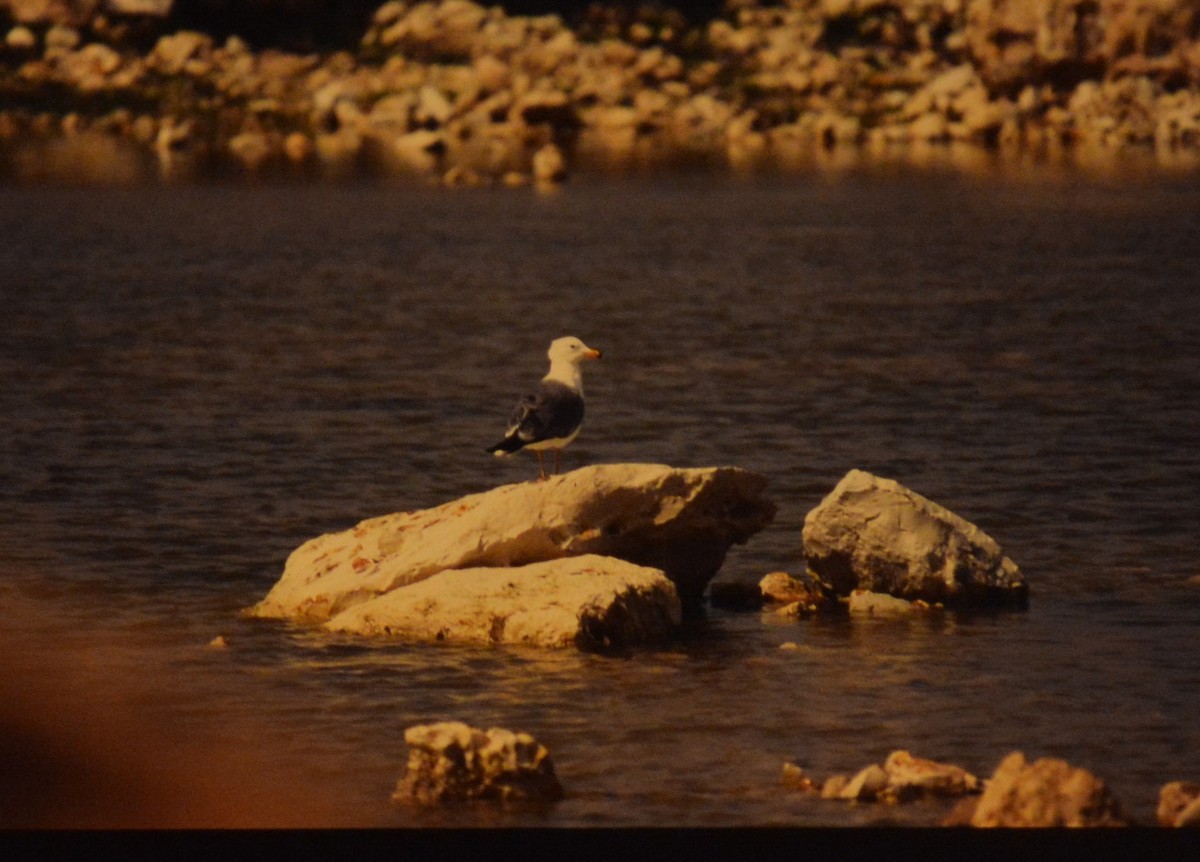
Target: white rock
point(682, 521)
point(590, 601)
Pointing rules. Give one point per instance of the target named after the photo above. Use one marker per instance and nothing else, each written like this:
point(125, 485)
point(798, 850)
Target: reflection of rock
point(1046, 793)
point(453, 762)
point(874, 534)
point(682, 521)
point(591, 602)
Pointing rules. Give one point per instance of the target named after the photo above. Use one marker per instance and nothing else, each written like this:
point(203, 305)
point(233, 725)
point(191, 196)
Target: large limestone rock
point(453, 762)
point(591, 602)
point(682, 521)
point(874, 534)
point(1046, 793)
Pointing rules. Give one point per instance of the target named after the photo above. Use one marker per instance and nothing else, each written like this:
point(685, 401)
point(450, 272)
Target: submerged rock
point(874, 534)
point(1046, 793)
point(591, 602)
point(681, 521)
point(453, 762)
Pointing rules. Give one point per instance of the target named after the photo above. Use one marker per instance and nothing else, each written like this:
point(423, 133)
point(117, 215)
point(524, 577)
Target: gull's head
point(570, 349)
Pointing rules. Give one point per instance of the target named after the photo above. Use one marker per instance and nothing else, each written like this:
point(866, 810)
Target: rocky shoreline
point(451, 762)
point(458, 93)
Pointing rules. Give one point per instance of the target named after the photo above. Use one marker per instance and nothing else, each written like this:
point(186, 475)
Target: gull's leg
point(541, 466)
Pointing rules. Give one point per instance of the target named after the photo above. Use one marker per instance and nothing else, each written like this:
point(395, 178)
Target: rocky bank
point(460, 93)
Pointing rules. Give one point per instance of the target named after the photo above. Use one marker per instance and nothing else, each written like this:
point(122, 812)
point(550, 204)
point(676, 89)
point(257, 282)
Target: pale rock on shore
point(459, 93)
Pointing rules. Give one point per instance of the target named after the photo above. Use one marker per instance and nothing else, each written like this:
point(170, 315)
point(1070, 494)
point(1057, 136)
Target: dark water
point(194, 380)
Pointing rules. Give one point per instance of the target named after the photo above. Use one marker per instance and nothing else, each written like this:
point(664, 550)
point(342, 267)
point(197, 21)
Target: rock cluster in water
point(1046, 793)
point(601, 556)
point(607, 555)
point(901, 778)
point(464, 93)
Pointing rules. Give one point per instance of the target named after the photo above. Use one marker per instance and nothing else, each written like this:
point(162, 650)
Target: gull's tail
point(506, 446)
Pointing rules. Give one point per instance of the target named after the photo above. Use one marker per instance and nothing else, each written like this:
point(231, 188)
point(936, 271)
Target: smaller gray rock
point(874, 534)
point(453, 762)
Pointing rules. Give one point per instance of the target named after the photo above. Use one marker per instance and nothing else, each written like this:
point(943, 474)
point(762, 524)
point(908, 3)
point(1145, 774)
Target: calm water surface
point(194, 380)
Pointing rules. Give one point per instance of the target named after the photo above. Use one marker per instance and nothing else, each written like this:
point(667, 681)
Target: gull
point(551, 417)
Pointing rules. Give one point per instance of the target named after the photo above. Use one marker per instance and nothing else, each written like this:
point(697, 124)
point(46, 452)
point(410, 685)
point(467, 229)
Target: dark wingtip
point(504, 447)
